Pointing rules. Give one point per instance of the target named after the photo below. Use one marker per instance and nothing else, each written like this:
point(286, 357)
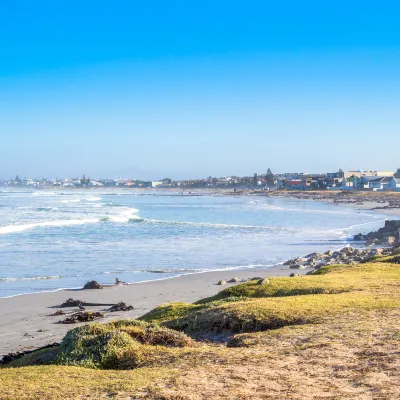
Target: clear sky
point(195, 88)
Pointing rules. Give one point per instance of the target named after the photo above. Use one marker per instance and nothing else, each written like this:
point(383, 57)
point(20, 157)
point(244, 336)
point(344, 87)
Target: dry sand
point(25, 324)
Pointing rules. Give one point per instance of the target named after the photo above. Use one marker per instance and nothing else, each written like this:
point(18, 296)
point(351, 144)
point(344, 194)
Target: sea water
point(61, 239)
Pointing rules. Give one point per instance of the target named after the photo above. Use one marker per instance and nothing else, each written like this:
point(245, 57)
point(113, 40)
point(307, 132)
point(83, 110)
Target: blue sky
point(191, 89)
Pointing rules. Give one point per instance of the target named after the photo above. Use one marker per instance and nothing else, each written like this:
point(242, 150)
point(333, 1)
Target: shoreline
point(240, 268)
point(26, 325)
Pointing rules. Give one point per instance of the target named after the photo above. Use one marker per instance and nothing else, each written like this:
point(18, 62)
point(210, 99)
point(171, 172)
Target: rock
point(375, 252)
point(389, 240)
point(297, 266)
point(293, 275)
point(315, 256)
point(264, 281)
point(311, 263)
point(221, 282)
point(298, 260)
point(234, 280)
point(329, 253)
point(93, 285)
point(372, 242)
point(359, 237)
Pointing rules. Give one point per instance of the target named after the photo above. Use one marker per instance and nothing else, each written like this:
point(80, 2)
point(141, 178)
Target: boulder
point(329, 253)
point(375, 252)
point(93, 285)
point(297, 266)
point(221, 282)
point(315, 256)
point(293, 275)
point(373, 242)
point(264, 281)
point(359, 237)
point(234, 280)
point(298, 260)
point(389, 240)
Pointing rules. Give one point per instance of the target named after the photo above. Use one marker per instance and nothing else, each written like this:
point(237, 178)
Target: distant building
point(395, 184)
point(381, 183)
point(359, 174)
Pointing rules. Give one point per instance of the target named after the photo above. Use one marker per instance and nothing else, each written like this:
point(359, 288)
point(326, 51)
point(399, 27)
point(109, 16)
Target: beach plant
point(285, 301)
point(112, 345)
point(340, 317)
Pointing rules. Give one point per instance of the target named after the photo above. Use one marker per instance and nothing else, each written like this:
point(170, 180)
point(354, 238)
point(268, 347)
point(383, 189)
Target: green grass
point(281, 311)
point(61, 383)
point(124, 344)
point(286, 301)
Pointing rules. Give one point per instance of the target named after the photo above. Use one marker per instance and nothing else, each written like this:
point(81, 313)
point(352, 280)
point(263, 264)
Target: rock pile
point(347, 255)
point(389, 234)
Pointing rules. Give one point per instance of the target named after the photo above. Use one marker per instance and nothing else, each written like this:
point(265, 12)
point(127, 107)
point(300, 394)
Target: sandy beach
point(25, 323)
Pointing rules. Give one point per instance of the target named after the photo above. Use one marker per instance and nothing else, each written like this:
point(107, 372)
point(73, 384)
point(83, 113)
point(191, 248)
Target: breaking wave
point(127, 215)
point(57, 223)
point(31, 278)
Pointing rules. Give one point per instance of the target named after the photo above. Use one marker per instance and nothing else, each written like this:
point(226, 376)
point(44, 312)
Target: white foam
point(92, 198)
point(125, 215)
point(44, 193)
point(32, 278)
point(211, 225)
point(71, 201)
point(4, 230)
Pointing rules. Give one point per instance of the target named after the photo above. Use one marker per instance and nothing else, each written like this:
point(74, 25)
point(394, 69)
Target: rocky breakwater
point(388, 235)
point(347, 255)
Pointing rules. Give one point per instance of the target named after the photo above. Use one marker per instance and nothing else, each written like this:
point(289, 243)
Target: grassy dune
point(333, 334)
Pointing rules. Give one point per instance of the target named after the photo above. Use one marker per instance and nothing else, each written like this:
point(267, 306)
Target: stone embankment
point(388, 235)
point(347, 255)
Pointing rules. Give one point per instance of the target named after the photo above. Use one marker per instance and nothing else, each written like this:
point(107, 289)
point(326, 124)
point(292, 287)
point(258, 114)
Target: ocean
point(51, 240)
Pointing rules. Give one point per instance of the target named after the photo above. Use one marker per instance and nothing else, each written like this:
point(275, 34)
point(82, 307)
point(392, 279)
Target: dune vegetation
point(333, 334)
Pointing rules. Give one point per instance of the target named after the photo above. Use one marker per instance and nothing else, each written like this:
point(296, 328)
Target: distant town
point(340, 180)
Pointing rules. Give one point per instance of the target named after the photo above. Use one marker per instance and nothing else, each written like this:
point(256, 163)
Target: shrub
point(110, 345)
